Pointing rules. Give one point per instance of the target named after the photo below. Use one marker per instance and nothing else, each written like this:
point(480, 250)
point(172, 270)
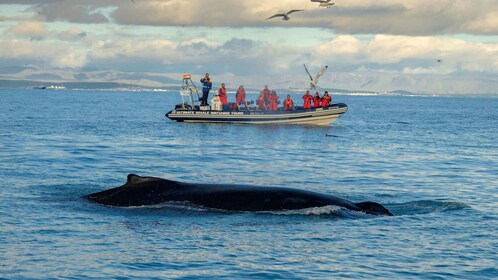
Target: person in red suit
point(261, 101)
point(222, 94)
point(266, 93)
point(317, 100)
point(307, 100)
point(326, 99)
point(273, 101)
point(288, 103)
point(240, 97)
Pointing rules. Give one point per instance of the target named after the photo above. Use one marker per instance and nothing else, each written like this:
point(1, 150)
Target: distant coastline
point(114, 86)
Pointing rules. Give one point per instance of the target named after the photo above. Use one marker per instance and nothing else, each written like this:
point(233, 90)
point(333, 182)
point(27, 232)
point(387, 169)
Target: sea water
point(431, 160)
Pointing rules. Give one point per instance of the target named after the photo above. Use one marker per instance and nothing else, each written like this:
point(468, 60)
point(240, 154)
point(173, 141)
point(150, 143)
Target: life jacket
point(266, 94)
point(307, 101)
point(316, 101)
point(261, 102)
point(273, 102)
point(222, 93)
point(240, 96)
point(288, 104)
point(326, 100)
point(206, 85)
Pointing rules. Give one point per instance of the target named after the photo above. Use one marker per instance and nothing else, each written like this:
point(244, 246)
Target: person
point(207, 85)
point(240, 97)
point(266, 94)
point(317, 100)
point(326, 99)
point(222, 93)
point(307, 100)
point(288, 103)
point(273, 101)
point(261, 101)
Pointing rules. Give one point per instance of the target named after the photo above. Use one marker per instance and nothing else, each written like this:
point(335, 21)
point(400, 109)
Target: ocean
point(432, 161)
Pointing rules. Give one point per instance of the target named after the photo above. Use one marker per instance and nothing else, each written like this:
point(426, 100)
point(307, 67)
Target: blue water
point(431, 160)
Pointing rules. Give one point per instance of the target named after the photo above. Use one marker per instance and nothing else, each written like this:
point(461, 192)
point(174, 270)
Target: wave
point(398, 209)
point(425, 207)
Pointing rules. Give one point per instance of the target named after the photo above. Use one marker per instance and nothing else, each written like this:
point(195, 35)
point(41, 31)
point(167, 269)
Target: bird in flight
point(324, 3)
point(314, 81)
point(286, 15)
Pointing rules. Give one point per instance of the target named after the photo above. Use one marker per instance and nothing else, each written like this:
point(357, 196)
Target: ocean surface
point(433, 161)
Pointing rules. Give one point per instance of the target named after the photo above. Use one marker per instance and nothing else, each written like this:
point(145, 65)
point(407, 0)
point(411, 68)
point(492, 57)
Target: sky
point(439, 46)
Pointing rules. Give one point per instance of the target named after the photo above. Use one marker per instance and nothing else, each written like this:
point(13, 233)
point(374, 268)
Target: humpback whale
point(140, 191)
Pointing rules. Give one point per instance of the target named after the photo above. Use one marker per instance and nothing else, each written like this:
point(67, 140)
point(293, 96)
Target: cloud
point(72, 34)
point(32, 29)
point(398, 17)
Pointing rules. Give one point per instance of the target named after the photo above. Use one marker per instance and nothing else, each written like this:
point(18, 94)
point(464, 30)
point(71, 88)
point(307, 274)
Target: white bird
point(324, 3)
point(286, 15)
point(314, 82)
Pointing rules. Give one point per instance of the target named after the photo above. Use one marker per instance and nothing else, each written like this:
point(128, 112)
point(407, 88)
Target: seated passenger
point(288, 103)
point(317, 100)
point(273, 101)
point(307, 100)
point(326, 99)
point(261, 101)
point(240, 97)
point(222, 94)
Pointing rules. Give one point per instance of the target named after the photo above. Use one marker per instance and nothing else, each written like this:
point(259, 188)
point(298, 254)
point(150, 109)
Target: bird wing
point(311, 78)
point(133, 1)
point(277, 15)
point(322, 71)
point(293, 11)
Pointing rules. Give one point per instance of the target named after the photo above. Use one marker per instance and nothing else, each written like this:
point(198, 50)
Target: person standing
point(273, 101)
point(266, 94)
point(240, 97)
point(317, 100)
point(326, 99)
point(207, 85)
point(307, 100)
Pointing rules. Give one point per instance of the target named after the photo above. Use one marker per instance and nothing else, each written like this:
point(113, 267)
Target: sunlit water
point(431, 160)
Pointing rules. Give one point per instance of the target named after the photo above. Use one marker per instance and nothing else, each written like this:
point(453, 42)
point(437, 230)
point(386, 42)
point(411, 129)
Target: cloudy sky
point(368, 44)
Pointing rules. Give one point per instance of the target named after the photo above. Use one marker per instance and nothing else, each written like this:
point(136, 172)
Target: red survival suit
point(222, 94)
point(273, 102)
point(317, 100)
point(307, 101)
point(288, 104)
point(326, 100)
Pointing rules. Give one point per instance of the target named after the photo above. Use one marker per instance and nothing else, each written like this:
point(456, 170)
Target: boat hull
point(313, 116)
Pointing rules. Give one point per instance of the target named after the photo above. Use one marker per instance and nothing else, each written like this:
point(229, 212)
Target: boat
point(189, 111)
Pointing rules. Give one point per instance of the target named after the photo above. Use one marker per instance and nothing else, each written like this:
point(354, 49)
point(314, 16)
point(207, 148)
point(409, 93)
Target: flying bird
point(314, 81)
point(324, 3)
point(133, 1)
point(286, 15)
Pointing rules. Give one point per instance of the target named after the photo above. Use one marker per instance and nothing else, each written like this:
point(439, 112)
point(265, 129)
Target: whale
point(144, 190)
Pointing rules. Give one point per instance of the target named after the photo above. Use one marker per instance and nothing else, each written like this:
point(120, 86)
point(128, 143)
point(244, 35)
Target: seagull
point(324, 3)
point(314, 82)
point(286, 15)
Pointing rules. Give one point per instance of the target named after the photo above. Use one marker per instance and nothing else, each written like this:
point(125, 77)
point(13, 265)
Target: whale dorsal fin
point(133, 179)
point(373, 208)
